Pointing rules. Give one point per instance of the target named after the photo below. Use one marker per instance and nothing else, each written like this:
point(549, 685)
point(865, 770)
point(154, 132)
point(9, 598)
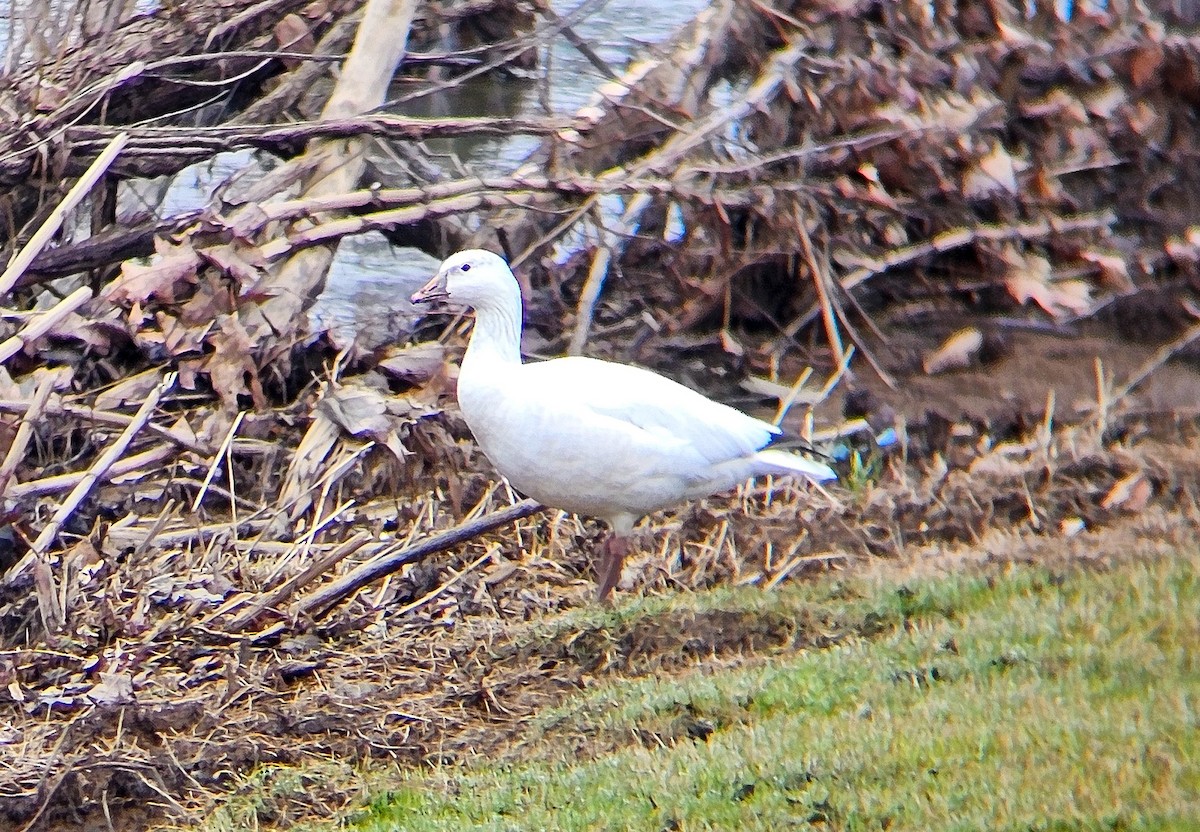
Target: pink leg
point(608, 572)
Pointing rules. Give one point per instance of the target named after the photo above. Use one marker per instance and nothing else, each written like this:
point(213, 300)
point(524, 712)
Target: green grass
point(1019, 701)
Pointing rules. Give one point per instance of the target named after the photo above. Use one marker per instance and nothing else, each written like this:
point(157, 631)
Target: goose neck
point(497, 335)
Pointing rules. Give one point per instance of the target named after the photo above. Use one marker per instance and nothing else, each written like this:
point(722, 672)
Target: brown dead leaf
point(178, 339)
point(957, 351)
point(210, 298)
point(130, 390)
point(183, 429)
point(1145, 63)
point(1130, 493)
point(1114, 270)
point(15, 692)
point(356, 409)
point(294, 35)
point(242, 262)
point(307, 462)
point(169, 265)
point(1029, 279)
point(113, 689)
point(189, 369)
point(228, 376)
point(392, 442)
point(85, 561)
point(79, 328)
point(231, 367)
point(414, 363)
point(993, 172)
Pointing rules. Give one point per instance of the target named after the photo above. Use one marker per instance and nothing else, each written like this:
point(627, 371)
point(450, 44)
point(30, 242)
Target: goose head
point(474, 278)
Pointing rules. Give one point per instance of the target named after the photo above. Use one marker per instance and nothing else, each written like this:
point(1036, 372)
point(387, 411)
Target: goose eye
point(466, 267)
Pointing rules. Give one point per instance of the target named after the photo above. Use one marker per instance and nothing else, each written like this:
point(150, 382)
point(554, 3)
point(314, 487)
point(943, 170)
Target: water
point(564, 81)
point(365, 301)
point(368, 286)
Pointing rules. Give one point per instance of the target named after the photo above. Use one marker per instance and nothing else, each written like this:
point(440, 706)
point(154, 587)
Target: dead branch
point(101, 250)
point(93, 475)
point(105, 75)
point(318, 603)
point(122, 420)
point(957, 238)
point(319, 566)
point(43, 322)
point(337, 164)
point(65, 482)
point(336, 229)
point(598, 272)
point(292, 87)
point(652, 99)
point(53, 222)
point(154, 151)
point(16, 451)
point(498, 188)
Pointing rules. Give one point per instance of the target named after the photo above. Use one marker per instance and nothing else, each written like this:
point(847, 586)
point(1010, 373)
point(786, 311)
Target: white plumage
point(593, 437)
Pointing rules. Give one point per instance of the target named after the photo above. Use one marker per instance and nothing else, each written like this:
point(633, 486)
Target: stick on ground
point(320, 602)
point(94, 475)
point(275, 597)
point(16, 451)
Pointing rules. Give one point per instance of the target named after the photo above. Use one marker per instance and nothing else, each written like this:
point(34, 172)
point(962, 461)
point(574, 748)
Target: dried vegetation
point(207, 506)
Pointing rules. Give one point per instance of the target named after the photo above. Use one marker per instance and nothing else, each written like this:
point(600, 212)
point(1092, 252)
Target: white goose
point(588, 436)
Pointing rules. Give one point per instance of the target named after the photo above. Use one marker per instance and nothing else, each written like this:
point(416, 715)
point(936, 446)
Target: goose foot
point(612, 559)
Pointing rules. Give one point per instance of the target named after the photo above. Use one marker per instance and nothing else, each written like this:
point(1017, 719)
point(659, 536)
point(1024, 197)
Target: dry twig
point(16, 451)
point(320, 602)
point(93, 475)
point(53, 222)
point(44, 322)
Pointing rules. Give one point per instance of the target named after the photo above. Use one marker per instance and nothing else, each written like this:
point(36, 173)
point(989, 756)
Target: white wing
point(716, 432)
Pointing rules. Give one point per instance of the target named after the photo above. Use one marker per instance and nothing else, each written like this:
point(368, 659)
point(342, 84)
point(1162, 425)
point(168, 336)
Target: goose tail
point(781, 462)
